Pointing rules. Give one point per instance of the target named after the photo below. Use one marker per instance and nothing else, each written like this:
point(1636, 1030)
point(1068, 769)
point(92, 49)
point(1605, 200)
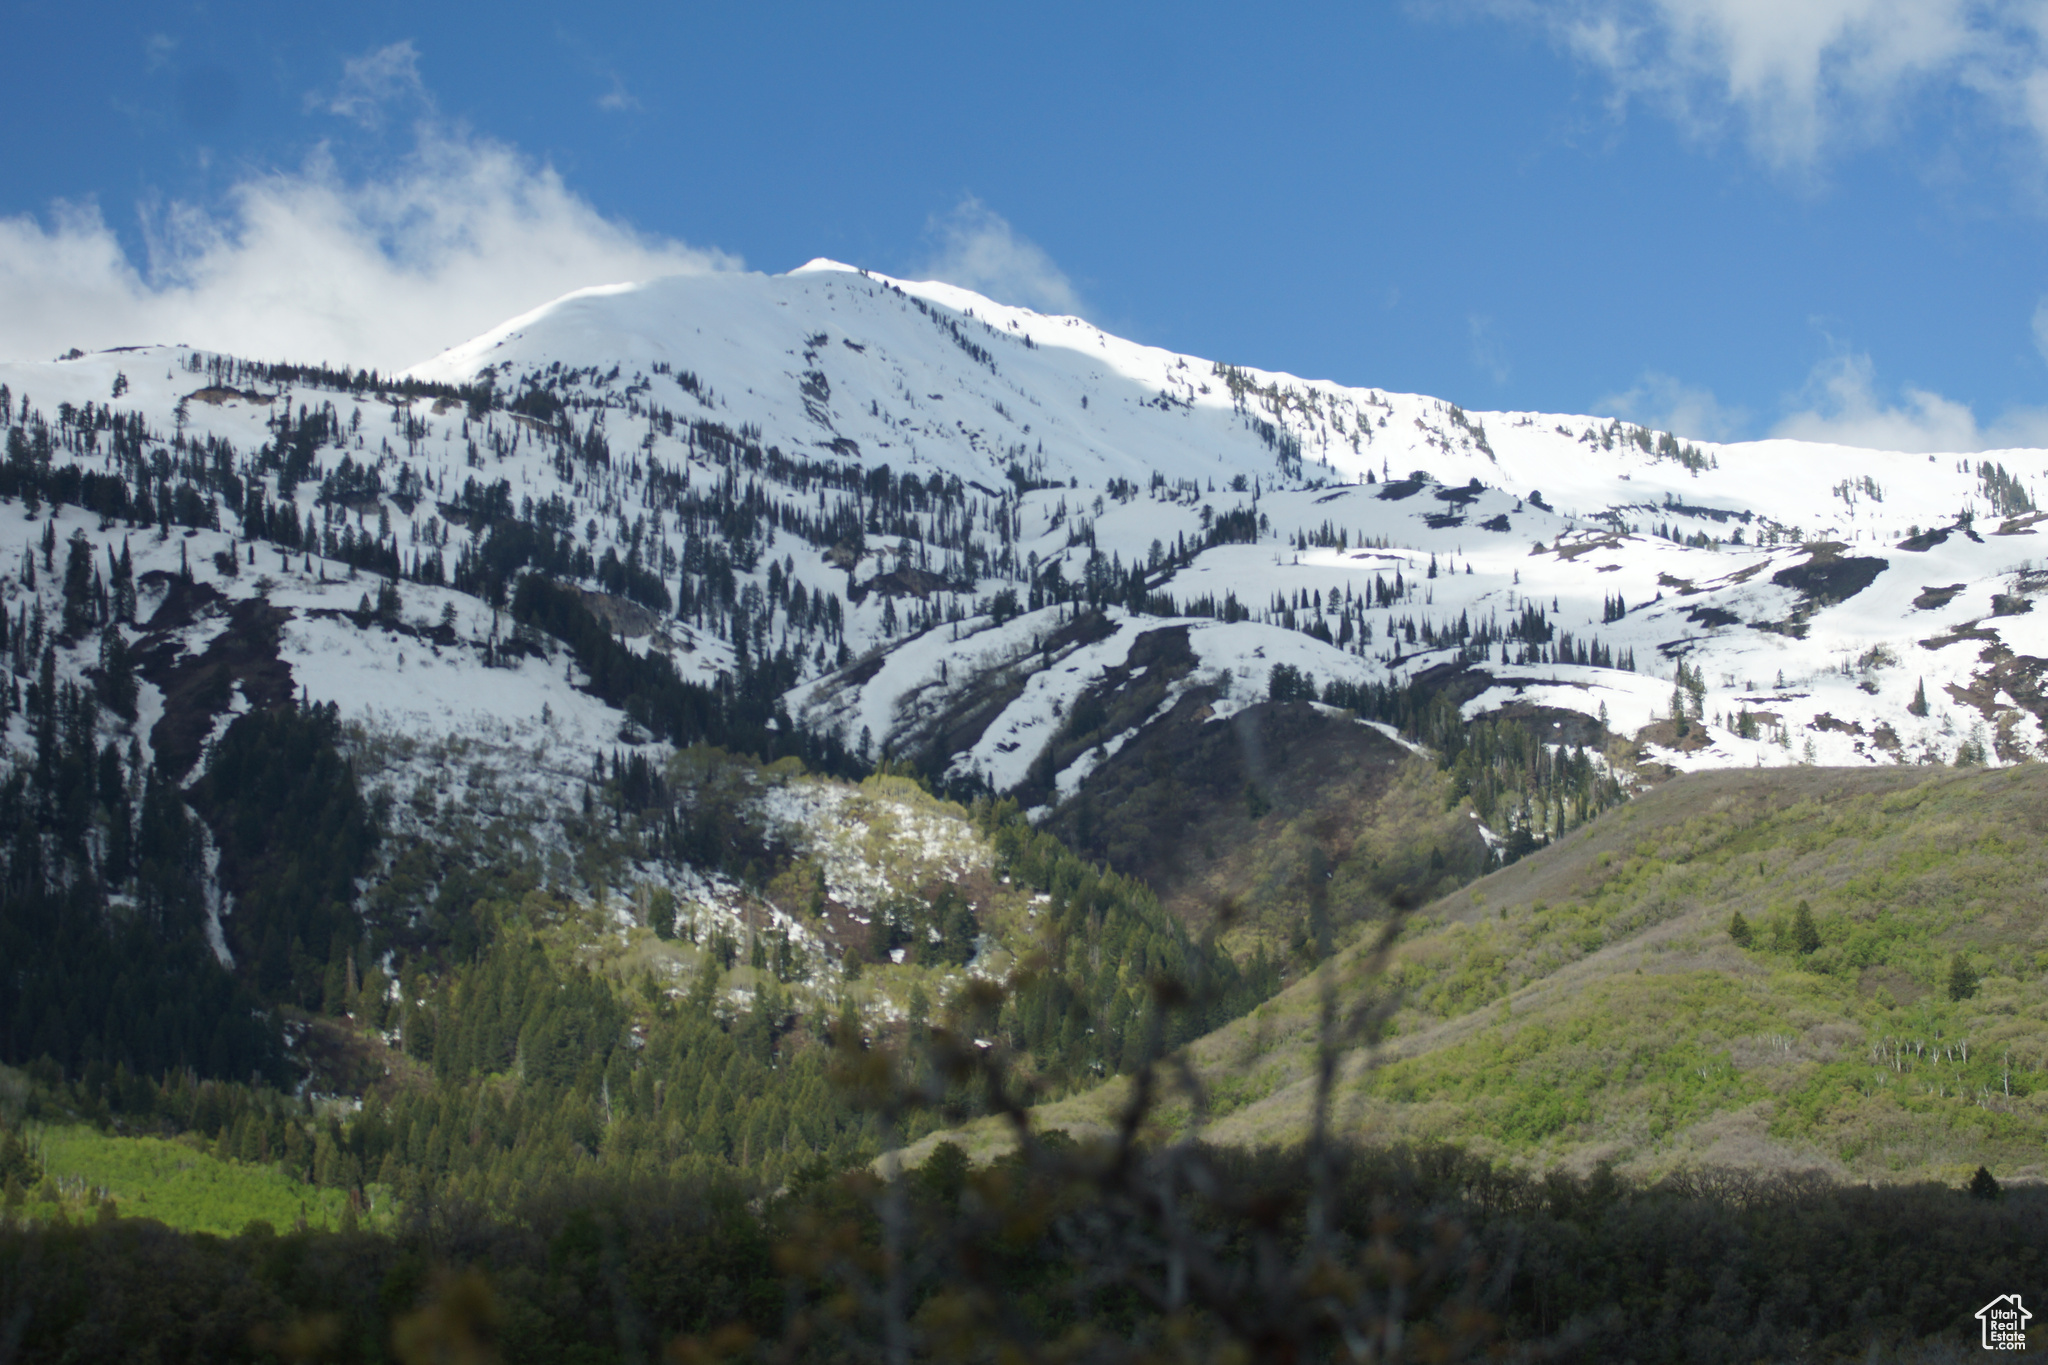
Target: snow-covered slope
point(902, 498)
point(1571, 513)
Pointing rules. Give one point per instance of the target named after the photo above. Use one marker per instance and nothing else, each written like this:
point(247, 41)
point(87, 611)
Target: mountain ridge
point(951, 591)
point(483, 740)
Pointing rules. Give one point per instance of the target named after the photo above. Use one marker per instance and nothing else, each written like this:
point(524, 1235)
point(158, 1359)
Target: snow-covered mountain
point(1816, 590)
point(939, 527)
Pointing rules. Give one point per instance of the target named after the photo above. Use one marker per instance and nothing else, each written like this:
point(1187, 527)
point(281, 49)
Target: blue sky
point(1728, 217)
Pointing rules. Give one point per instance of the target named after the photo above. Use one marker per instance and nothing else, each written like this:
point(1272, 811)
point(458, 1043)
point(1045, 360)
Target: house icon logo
point(2005, 1323)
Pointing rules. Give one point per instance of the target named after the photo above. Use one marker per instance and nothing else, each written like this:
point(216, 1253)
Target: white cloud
point(1840, 404)
point(310, 265)
point(976, 248)
point(1663, 403)
point(1802, 75)
point(374, 82)
point(1847, 410)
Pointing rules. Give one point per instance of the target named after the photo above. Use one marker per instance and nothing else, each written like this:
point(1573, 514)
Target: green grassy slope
point(1589, 1004)
point(175, 1183)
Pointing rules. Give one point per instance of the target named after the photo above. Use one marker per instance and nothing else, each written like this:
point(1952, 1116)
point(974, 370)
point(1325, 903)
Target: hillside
point(1277, 826)
point(702, 656)
point(1588, 1004)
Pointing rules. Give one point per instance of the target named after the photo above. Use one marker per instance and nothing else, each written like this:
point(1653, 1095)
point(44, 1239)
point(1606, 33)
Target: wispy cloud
point(976, 248)
point(383, 270)
point(618, 99)
point(1798, 78)
point(1664, 403)
point(1845, 407)
point(1488, 355)
point(376, 83)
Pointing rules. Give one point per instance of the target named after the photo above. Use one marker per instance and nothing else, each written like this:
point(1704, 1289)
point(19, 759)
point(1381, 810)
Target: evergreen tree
point(661, 913)
point(77, 586)
point(1962, 978)
point(1805, 933)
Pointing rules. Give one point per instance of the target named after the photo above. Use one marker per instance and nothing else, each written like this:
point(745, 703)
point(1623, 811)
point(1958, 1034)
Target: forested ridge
point(110, 868)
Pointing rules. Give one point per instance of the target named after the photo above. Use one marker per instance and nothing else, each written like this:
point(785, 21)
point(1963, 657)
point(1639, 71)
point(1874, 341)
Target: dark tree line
point(1124, 1248)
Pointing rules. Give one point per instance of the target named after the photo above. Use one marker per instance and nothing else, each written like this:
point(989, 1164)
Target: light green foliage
point(181, 1186)
point(1529, 1082)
